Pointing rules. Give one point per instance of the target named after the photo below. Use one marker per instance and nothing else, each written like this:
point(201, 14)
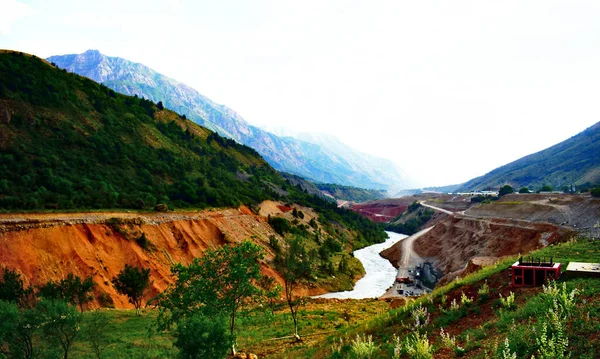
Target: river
point(380, 274)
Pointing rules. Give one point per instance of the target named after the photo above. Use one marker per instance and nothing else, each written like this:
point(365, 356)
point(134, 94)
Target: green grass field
point(479, 328)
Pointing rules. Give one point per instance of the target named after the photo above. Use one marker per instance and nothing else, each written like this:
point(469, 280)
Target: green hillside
point(349, 193)
point(67, 142)
point(319, 159)
point(574, 162)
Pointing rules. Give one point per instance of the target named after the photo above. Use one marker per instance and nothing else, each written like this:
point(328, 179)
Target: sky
point(449, 90)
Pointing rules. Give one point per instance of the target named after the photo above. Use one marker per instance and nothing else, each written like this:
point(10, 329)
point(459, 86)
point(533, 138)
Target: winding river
point(380, 274)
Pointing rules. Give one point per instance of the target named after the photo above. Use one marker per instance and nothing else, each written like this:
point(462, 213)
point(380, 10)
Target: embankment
point(454, 241)
point(45, 247)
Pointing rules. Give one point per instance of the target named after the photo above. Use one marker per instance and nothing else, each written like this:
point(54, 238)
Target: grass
point(263, 333)
point(128, 337)
point(480, 328)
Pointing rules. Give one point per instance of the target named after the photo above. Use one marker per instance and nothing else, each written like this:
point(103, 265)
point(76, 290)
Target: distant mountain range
point(574, 162)
point(321, 159)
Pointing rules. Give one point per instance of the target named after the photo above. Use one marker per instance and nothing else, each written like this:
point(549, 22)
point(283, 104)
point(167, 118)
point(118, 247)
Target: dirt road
point(436, 208)
point(409, 257)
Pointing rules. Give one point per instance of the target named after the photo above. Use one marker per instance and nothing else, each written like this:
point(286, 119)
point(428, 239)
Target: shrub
point(144, 242)
point(418, 347)
point(553, 341)
point(464, 300)
point(200, 336)
point(454, 305)
point(450, 343)
point(484, 289)
point(421, 316)
point(363, 347)
point(506, 352)
point(561, 296)
point(509, 301)
point(280, 225)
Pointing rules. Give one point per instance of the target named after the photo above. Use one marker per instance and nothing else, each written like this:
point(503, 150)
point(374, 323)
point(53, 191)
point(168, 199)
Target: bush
point(199, 336)
point(280, 225)
point(363, 347)
point(12, 289)
point(418, 347)
point(509, 301)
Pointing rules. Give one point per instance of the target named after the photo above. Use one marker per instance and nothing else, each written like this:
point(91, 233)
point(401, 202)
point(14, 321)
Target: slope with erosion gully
point(475, 235)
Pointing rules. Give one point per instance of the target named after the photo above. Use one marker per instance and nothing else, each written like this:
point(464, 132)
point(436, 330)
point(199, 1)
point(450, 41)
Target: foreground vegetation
point(479, 316)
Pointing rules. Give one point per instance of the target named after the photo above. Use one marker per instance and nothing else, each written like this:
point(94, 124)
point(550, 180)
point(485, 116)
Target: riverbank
point(380, 273)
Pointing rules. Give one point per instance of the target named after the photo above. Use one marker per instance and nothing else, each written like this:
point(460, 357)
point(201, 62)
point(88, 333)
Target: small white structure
point(580, 269)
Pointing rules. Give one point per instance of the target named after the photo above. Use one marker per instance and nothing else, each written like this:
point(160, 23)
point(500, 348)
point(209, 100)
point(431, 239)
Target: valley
point(94, 182)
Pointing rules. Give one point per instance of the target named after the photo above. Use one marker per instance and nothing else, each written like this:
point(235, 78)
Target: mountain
point(362, 166)
point(310, 160)
point(68, 142)
point(574, 162)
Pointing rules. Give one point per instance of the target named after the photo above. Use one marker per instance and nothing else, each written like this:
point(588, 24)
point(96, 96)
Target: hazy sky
point(447, 89)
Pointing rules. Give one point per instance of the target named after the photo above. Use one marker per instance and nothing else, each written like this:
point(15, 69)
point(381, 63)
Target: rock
point(161, 207)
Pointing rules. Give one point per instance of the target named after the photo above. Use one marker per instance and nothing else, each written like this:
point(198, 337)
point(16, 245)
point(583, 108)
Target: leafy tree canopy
point(219, 283)
point(506, 189)
point(133, 282)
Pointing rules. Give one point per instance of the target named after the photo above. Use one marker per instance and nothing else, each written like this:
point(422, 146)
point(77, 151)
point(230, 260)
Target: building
point(533, 272)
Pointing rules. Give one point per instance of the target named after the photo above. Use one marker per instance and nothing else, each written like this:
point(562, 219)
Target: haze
point(447, 89)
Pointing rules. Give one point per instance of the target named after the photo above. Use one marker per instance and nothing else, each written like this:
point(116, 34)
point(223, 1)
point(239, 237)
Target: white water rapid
point(380, 274)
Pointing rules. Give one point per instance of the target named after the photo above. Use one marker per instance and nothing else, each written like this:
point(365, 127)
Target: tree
point(12, 289)
point(524, 190)
point(96, 333)
point(61, 323)
point(506, 189)
point(9, 321)
point(219, 283)
point(294, 264)
point(160, 105)
point(280, 225)
point(18, 329)
point(133, 282)
point(71, 289)
point(546, 188)
point(595, 192)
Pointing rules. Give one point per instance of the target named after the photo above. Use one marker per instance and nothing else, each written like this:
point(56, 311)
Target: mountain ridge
point(283, 153)
point(573, 162)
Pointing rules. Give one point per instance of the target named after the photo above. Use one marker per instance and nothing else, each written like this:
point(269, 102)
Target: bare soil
point(48, 246)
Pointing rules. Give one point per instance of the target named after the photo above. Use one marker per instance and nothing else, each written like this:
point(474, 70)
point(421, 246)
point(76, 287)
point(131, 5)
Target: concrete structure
point(579, 269)
point(533, 272)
